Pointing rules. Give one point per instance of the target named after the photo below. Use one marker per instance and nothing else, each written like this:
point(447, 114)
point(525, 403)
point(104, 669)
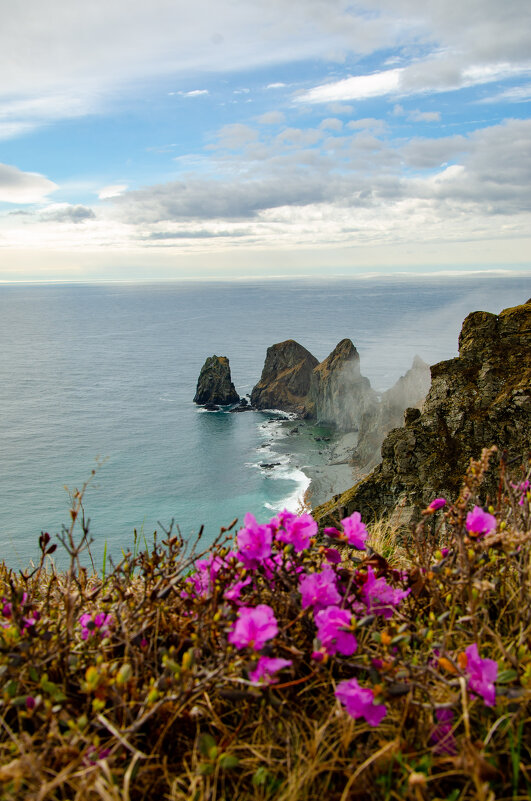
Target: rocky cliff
point(285, 379)
point(409, 391)
point(214, 385)
point(339, 394)
point(480, 398)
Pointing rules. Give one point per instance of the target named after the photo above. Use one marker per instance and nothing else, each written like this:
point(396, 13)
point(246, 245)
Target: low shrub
point(278, 663)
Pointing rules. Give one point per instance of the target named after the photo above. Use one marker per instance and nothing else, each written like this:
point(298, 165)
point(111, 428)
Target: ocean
point(105, 374)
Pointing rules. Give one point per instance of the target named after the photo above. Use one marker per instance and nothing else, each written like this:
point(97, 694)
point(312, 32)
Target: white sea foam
point(293, 501)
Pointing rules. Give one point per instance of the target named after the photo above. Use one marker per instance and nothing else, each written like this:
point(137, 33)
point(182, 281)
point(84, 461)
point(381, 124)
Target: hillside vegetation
point(276, 665)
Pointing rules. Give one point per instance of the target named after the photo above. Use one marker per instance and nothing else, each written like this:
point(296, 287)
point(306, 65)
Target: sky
point(242, 138)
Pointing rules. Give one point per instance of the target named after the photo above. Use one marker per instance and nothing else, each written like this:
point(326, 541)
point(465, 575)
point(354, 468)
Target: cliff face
point(409, 391)
point(214, 384)
point(480, 398)
point(339, 394)
point(285, 379)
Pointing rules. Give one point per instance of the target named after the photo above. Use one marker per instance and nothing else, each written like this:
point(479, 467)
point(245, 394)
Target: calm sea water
point(110, 371)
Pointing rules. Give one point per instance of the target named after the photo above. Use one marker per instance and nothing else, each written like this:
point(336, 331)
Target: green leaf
point(55, 693)
point(205, 769)
point(228, 762)
point(206, 743)
point(506, 676)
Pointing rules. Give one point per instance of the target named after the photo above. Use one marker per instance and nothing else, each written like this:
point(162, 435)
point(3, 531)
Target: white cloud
point(331, 124)
point(67, 213)
point(193, 93)
point(114, 190)
point(271, 118)
point(358, 87)
point(278, 85)
point(23, 187)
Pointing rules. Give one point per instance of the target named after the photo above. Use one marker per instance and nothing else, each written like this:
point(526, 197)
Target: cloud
point(331, 124)
point(235, 136)
point(358, 87)
point(114, 190)
point(23, 187)
point(384, 190)
point(202, 233)
point(66, 213)
point(271, 118)
point(367, 123)
point(192, 93)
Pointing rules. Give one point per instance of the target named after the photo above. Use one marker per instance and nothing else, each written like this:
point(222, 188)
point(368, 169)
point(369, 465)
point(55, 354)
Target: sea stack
point(214, 385)
point(338, 393)
point(285, 379)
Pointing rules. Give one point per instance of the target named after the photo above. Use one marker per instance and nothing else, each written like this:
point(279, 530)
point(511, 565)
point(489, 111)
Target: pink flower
point(332, 555)
point(266, 667)
point(233, 593)
point(254, 627)
point(297, 531)
point(319, 589)
point(379, 597)
point(523, 488)
point(332, 623)
point(436, 504)
point(359, 702)
point(90, 624)
point(482, 674)
point(254, 542)
point(479, 522)
point(355, 531)
point(441, 736)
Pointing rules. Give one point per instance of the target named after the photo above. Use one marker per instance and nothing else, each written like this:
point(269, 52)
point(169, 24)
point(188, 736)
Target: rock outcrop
point(480, 398)
point(409, 392)
point(214, 385)
point(285, 379)
point(339, 394)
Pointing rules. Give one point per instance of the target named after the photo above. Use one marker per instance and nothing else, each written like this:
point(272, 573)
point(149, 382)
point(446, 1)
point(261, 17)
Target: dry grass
point(162, 707)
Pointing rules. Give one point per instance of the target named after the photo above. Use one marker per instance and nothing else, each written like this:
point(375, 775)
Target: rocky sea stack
point(339, 394)
point(214, 385)
point(480, 398)
point(285, 379)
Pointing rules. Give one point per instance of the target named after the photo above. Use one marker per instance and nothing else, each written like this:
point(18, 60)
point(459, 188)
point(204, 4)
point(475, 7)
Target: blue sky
point(233, 138)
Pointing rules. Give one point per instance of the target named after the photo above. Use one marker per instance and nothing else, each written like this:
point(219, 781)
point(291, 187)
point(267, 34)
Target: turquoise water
point(110, 371)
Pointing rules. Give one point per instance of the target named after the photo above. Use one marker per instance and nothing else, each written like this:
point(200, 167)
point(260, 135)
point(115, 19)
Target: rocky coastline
point(379, 454)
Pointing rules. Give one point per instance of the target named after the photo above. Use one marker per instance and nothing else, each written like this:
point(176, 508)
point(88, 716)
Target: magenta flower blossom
point(359, 702)
point(265, 669)
point(283, 520)
point(332, 555)
point(297, 531)
point(482, 674)
point(254, 627)
point(92, 624)
point(379, 597)
point(201, 583)
point(441, 736)
point(479, 522)
point(234, 591)
point(254, 542)
point(523, 487)
point(319, 589)
point(355, 531)
point(332, 623)
point(436, 504)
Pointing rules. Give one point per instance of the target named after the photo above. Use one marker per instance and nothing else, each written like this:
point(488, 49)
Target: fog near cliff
point(431, 334)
